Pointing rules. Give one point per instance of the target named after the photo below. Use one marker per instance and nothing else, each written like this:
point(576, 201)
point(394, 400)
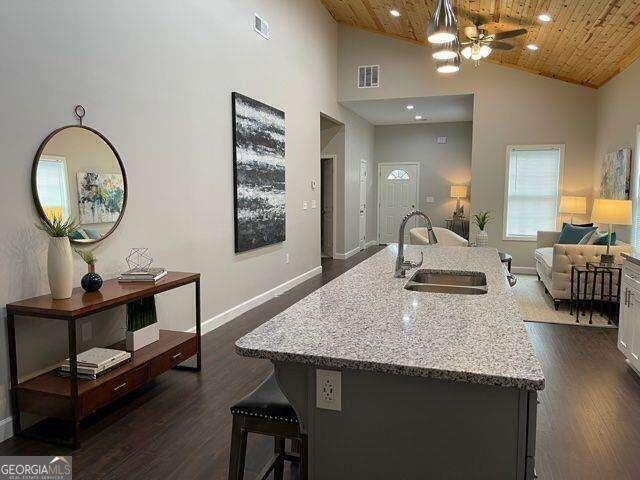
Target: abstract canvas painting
point(616, 175)
point(100, 197)
point(259, 173)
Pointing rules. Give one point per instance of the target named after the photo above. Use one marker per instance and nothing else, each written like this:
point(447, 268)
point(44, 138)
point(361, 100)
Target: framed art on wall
point(100, 197)
point(259, 173)
point(616, 175)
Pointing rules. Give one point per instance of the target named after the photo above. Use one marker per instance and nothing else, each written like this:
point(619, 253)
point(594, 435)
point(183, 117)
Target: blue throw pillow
point(602, 239)
point(572, 234)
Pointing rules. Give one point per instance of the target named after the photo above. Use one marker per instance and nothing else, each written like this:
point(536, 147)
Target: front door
point(397, 195)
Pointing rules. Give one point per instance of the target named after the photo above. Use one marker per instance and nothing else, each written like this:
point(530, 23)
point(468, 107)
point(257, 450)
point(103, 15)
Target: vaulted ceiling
point(587, 42)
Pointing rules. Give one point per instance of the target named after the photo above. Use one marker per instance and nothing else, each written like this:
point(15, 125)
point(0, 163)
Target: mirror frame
point(34, 187)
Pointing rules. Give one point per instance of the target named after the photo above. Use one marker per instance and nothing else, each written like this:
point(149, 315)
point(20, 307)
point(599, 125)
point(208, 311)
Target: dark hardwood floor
point(179, 426)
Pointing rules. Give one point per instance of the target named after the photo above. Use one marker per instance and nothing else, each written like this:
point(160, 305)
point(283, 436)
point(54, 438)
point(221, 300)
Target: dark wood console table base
point(71, 399)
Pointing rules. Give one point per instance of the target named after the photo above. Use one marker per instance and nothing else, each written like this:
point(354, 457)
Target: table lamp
point(458, 192)
point(573, 206)
point(613, 212)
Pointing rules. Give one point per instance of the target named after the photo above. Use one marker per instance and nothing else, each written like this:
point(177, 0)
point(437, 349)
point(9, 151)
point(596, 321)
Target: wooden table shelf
point(73, 399)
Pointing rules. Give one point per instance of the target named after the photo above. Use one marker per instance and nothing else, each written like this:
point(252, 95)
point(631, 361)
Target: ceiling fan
point(481, 43)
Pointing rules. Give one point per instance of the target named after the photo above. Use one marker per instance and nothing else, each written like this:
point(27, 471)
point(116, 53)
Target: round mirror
point(77, 174)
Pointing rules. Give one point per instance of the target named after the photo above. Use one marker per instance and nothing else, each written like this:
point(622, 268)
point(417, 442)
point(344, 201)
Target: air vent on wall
point(261, 26)
point(369, 76)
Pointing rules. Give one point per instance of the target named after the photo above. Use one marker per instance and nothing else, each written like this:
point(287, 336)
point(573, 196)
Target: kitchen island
point(433, 385)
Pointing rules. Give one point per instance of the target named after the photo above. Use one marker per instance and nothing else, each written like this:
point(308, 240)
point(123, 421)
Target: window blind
point(532, 190)
point(51, 180)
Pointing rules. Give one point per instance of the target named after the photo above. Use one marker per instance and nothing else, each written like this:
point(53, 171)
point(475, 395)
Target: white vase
point(142, 337)
point(60, 267)
point(482, 239)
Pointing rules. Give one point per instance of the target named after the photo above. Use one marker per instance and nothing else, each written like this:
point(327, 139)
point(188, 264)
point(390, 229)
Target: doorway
point(328, 173)
point(397, 196)
point(362, 221)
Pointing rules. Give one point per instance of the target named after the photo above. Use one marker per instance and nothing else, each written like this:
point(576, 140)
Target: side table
point(605, 270)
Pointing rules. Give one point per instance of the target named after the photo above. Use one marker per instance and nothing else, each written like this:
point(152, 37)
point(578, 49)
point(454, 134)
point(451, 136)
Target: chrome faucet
point(401, 265)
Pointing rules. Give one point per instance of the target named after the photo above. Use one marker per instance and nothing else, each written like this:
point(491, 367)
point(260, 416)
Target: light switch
point(314, 204)
point(305, 204)
point(430, 200)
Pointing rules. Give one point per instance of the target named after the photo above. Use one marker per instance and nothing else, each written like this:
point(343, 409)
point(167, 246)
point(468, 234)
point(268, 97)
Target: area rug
point(537, 306)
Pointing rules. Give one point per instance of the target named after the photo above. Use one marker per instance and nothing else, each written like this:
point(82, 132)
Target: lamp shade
point(573, 205)
point(458, 191)
point(615, 212)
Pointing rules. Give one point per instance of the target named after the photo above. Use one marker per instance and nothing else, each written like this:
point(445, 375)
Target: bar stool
point(268, 412)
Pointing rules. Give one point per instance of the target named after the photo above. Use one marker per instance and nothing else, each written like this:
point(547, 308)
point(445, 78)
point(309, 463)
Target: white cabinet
point(629, 319)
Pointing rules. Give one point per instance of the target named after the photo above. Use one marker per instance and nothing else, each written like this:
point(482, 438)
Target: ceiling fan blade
point(501, 45)
point(509, 34)
point(471, 32)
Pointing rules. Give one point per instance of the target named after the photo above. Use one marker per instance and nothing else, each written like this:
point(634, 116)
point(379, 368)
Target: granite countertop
point(366, 320)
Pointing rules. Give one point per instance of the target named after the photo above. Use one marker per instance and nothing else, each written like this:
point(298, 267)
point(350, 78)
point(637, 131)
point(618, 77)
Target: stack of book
point(96, 362)
point(149, 275)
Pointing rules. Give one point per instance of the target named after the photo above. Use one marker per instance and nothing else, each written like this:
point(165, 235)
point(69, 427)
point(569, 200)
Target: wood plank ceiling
point(588, 42)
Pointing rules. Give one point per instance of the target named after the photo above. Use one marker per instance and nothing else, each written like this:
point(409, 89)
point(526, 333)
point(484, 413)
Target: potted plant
point(482, 218)
point(91, 282)
point(59, 256)
point(142, 324)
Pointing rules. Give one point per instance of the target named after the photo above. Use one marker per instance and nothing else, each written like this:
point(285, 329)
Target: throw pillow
point(602, 239)
point(572, 234)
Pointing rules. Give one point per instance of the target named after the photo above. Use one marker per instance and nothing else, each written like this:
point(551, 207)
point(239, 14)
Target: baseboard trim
point(6, 428)
point(524, 270)
point(233, 312)
point(350, 253)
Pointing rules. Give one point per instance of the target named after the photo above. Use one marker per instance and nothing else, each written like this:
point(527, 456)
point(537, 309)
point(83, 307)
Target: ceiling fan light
point(445, 51)
point(466, 52)
point(475, 52)
point(485, 51)
point(448, 66)
point(443, 26)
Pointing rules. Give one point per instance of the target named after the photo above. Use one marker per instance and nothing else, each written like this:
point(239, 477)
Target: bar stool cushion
point(267, 401)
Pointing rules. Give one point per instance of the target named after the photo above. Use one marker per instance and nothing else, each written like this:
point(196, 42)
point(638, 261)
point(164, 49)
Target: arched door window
point(398, 175)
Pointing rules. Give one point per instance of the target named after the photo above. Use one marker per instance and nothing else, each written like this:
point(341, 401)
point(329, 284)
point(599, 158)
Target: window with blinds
point(51, 180)
point(533, 182)
point(635, 195)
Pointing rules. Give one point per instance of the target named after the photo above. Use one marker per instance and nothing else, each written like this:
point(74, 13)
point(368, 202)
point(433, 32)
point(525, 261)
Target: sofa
point(554, 262)
point(419, 236)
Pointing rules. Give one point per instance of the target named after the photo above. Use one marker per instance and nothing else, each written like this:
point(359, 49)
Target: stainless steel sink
point(448, 281)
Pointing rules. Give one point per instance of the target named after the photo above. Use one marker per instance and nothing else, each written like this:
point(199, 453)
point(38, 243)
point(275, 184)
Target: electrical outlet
point(87, 331)
point(305, 204)
point(314, 204)
point(329, 389)
point(286, 258)
point(430, 200)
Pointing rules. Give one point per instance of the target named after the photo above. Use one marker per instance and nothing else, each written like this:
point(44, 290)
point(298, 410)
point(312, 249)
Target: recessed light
point(418, 117)
point(394, 13)
point(533, 47)
point(410, 107)
point(544, 17)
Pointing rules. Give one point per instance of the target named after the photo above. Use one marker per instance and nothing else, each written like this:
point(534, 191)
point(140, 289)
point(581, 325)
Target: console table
point(69, 400)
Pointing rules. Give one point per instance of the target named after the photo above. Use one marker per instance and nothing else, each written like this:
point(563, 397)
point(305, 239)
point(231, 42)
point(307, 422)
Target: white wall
point(157, 81)
point(441, 165)
point(510, 107)
point(618, 115)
